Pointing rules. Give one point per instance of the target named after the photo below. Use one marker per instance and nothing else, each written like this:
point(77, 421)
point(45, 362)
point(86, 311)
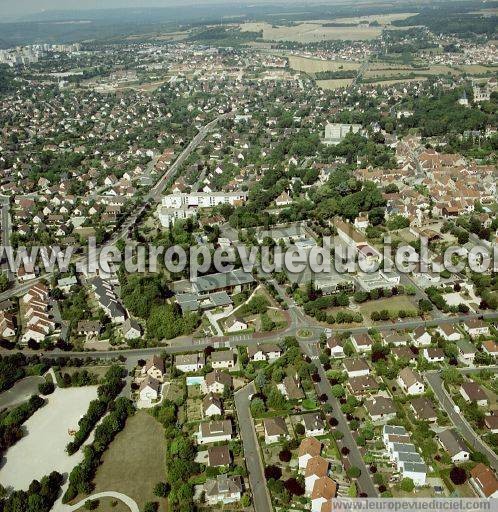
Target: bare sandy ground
point(42, 450)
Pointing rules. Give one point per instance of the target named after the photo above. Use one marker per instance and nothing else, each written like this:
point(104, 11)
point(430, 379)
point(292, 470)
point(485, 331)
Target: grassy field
point(317, 65)
point(312, 32)
point(333, 84)
point(387, 83)
point(391, 304)
point(135, 461)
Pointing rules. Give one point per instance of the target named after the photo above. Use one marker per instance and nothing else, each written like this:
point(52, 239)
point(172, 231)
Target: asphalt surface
point(21, 391)
point(461, 424)
point(364, 481)
point(260, 494)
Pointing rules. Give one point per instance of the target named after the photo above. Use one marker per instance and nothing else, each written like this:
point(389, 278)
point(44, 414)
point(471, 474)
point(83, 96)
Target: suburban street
point(261, 496)
point(461, 424)
point(365, 483)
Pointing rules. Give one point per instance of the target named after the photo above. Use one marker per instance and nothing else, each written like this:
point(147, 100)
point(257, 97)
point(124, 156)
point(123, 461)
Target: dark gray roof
point(222, 280)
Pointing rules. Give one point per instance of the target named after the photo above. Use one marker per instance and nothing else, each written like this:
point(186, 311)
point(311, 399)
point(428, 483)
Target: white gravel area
point(43, 448)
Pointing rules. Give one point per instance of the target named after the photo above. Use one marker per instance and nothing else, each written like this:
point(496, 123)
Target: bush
point(300, 430)
point(353, 472)
point(161, 489)
point(458, 475)
point(407, 485)
point(151, 506)
point(285, 456)
point(46, 388)
point(294, 487)
point(273, 472)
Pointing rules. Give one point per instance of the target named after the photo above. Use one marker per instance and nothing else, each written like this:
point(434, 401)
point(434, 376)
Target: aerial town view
point(249, 255)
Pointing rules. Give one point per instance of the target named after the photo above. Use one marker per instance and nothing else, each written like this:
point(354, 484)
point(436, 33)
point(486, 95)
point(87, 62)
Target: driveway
point(365, 483)
point(21, 391)
point(461, 424)
point(261, 496)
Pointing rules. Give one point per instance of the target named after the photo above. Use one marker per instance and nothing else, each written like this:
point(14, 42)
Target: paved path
point(461, 424)
point(364, 482)
point(131, 504)
point(261, 497)
point(21, 391)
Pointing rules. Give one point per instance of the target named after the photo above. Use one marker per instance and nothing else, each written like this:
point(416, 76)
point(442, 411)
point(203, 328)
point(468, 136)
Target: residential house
point(410, 381)
point(223, 489)
point(356, 367)
point(291, 389)
point(188, 363)
point(472, 392)
point(466, 351)
point(322, 495)
point(219, 456)
point(275, 429)
point(131, 329)
point(149, 389)
point(404, 353)
point(490, 347)
point(360, 386)
point(313, 424)
point(214, 431)
point(433, 355)
point(154, 367)
point(362, 342)
point(212, 405)
point(484, 481)
point(316, 468)
point(309, 448)
point(88, 328)
point(454, 445)
point(449, 332)
point(334, 344)
point(476, 327)
point(217, 381)
point(491, 422)
point(380, 409)
point(421, 337)
point(222, 360)
point(423, 409)
point(235, 324)
point(264, 352)
point(7, 324)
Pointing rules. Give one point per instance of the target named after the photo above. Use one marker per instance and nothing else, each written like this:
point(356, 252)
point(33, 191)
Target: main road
point(462, 425)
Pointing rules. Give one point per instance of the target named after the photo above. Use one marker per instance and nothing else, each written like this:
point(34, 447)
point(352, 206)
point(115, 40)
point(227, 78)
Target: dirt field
point(316, 65)
point(312, 32)
point(401, 71)
point(476, 69)
point(135, 461)
point(334, 84)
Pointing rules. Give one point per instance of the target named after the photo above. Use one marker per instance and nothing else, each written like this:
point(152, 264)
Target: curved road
point(131, 504)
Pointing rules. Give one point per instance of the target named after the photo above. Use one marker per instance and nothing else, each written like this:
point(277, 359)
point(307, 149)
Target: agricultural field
point(307, 65)
point(312, 32)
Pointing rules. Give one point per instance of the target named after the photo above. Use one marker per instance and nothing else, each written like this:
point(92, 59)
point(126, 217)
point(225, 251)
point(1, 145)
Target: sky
point(11, 9)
